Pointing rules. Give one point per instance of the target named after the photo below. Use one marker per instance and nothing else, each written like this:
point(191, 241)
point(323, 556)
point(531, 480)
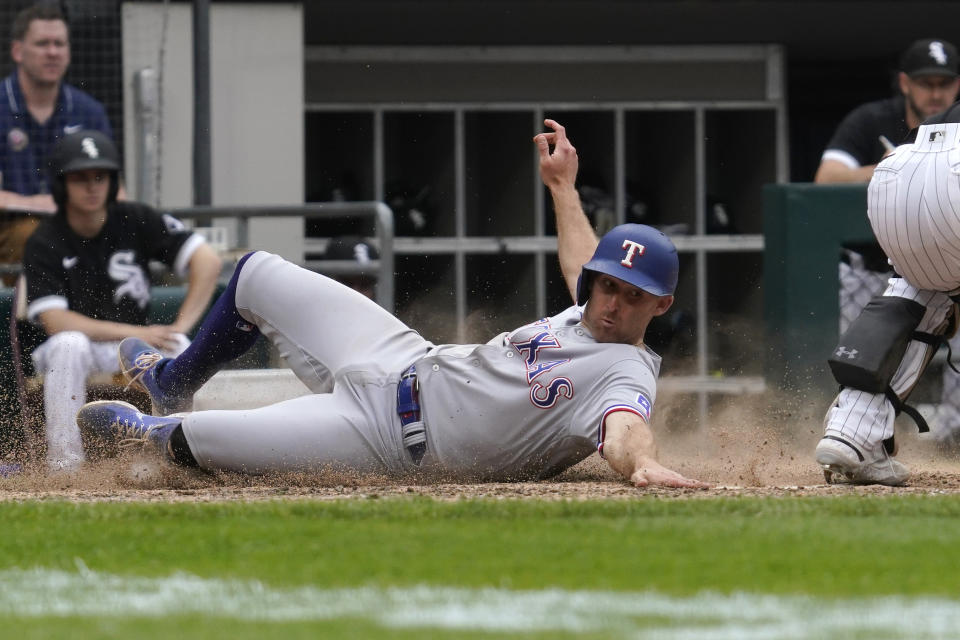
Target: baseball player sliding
point(525, 405)
point(912, 202)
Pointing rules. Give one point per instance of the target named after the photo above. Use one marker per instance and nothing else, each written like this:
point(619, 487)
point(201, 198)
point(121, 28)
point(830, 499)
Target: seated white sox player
point(88, 281)
point(526, 405)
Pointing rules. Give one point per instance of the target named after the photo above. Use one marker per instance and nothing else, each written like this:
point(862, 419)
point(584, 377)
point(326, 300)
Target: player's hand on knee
point(159, 336)
point(655, 474)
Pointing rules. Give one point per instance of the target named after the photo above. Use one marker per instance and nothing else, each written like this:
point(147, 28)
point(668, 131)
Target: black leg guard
point(873, 346)
point(871, 350)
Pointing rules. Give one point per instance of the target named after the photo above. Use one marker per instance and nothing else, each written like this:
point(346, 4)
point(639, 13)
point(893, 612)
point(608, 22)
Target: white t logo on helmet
point(89, 147)
point(634, 249)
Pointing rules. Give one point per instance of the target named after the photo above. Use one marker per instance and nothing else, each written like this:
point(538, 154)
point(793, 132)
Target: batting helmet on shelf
point(356, 250)
point(87, 149)
point(637, 254)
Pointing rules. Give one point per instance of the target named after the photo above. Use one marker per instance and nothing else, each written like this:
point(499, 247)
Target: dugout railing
point(377, 213)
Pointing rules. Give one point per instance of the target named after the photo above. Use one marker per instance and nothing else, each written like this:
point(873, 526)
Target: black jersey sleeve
point(171, 242)
point(856, 136)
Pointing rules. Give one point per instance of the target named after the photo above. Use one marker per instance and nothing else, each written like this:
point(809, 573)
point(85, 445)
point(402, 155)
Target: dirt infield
point(751, 449)
point(769, 470)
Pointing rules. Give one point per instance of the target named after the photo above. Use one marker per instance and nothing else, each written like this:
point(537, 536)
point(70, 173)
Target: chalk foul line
point(705, 616)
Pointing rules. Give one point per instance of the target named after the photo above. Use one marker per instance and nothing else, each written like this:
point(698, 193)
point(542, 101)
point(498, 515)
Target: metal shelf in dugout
point(419, 171)
point(499, 177)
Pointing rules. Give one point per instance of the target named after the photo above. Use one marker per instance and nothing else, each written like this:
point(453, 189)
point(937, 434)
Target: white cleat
point(842, 462)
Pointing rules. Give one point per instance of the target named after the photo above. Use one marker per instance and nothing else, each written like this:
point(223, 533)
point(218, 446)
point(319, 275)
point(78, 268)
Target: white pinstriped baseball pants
point(913, 203)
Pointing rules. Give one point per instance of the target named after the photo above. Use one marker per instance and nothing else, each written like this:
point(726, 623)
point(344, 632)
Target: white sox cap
point(929, 57)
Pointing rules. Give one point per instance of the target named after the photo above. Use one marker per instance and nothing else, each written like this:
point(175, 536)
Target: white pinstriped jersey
point(531, 402)
point(914, 208)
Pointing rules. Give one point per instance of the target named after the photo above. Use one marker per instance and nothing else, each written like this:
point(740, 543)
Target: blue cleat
point(108, 426)
point(138, 362)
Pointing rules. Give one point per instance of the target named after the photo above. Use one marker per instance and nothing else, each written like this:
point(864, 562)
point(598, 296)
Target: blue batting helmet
point(637, 254)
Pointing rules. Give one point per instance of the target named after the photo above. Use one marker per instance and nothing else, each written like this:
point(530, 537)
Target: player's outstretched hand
point(655, 474)
point(559, 168)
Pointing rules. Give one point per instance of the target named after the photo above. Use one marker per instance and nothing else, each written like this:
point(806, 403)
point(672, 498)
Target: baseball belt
point(408, 408)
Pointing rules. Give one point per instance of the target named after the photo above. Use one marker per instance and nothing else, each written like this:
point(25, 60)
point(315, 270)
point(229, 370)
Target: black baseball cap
point(930, 57)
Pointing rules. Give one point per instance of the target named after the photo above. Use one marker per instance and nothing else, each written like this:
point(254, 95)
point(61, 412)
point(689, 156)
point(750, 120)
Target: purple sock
point(222, 336)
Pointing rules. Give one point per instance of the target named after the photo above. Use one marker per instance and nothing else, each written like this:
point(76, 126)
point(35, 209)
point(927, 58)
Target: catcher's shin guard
point(873, 346)
point(872, 349)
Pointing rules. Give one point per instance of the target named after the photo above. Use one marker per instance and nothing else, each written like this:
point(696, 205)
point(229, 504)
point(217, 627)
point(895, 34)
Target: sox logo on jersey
point(124, 269)
point(543, 396)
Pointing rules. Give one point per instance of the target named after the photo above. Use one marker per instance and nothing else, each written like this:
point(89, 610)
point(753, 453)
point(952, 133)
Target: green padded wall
point(804, 226)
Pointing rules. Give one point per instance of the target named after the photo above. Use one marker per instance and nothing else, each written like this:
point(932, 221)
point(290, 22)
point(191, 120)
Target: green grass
point(831, 546)
point(199, 627)
point(838, 547)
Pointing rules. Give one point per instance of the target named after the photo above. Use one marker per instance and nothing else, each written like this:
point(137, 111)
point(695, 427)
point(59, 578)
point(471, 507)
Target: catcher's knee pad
point(873, 346)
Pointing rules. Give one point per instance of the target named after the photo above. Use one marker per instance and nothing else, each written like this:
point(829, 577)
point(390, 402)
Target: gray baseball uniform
point(527, 404)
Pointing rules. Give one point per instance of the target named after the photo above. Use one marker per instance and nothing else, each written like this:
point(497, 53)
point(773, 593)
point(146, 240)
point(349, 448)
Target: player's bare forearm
point(833, 172)
point(162, 337)
point(629, 449)
point(204, 268)
point(576, 240)
point(41, 203)
point(60, 320)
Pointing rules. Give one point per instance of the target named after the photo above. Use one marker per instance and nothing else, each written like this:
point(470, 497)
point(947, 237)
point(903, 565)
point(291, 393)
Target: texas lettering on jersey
point(543, 394)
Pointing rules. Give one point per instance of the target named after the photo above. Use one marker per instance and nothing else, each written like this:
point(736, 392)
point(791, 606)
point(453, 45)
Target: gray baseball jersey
point(526, 404)
point(530, 403)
